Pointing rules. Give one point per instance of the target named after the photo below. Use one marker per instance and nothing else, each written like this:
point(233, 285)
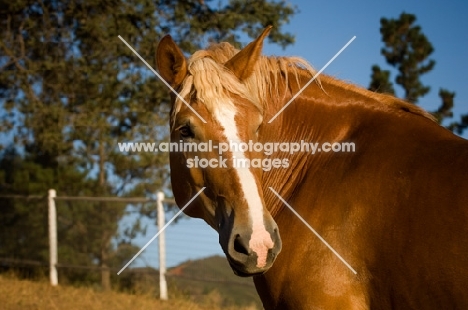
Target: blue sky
point(322, 28)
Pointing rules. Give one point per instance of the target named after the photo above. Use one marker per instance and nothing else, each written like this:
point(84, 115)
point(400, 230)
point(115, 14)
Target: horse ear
point(242, 64)
point(170, 61)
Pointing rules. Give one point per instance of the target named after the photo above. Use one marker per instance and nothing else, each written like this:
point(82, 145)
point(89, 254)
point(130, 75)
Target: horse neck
point(315, 116)
point(337, 112)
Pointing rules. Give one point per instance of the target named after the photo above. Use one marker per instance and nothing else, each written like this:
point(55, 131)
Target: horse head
point(214, 109)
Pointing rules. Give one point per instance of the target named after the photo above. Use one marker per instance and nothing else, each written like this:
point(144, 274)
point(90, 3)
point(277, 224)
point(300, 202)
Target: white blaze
point(260, 240)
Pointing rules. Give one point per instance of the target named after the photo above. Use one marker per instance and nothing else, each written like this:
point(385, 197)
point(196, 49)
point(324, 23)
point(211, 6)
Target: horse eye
point(186, 132)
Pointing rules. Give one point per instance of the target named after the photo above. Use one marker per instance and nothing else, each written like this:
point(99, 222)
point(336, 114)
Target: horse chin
point(246, 275)
point(243, 271)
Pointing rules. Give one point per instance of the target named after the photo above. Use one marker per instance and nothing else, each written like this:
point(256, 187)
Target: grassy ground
point(28, 295)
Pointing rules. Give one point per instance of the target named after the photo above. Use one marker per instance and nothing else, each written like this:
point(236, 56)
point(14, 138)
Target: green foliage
point(70, 91)
point(19, 227)
point(380, 81)
point(407, 49)
point(445, 110)
point(461, 126)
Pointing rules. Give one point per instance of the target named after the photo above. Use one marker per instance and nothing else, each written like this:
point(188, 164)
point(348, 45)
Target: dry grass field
point(31, 295)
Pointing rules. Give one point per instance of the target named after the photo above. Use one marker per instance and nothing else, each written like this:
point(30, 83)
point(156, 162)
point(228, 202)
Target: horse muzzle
point(251, 251)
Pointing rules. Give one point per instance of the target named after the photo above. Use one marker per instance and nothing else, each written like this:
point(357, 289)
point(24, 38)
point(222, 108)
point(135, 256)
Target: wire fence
point(185, 240)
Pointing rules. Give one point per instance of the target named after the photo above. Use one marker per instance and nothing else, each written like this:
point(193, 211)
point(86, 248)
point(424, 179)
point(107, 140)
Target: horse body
point(393, 209)
point(396, 209)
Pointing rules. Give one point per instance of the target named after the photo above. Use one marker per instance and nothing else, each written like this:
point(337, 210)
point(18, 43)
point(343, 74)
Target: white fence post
point(52, 238)
point(162, 248)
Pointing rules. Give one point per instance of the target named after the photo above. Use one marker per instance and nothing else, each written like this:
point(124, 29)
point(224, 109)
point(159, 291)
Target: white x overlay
point(313, 230)
point(160, 77)
point(161, 230)
point(271, 120)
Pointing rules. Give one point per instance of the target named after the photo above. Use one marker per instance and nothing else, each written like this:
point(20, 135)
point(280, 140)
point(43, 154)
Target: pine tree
point(71, 90)
point(407, 49)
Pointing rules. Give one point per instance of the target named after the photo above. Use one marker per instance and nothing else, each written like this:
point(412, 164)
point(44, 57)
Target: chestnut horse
point(396, 209)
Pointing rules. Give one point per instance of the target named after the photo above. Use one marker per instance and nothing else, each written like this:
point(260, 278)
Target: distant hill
point(212, 279)
point(209, 282)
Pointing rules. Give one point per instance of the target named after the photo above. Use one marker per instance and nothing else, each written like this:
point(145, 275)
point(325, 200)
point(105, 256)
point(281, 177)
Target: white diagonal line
point(311, 80)
point(313, 230)
point(161, 230)
point(160, 77)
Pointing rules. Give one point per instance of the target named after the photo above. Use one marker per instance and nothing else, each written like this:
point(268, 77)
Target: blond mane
point(210, 82)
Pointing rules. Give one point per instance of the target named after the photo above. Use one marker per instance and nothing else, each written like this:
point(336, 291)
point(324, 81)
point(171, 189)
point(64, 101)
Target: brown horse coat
point(396, 209)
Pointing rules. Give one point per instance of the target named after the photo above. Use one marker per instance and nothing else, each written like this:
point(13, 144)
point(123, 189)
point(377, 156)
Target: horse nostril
point(240, 246)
